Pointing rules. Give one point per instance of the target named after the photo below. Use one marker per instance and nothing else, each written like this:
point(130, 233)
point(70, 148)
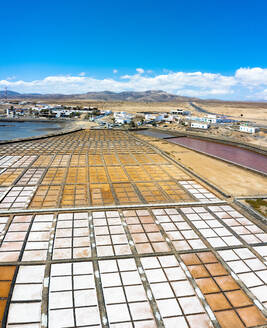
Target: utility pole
point(6, 93)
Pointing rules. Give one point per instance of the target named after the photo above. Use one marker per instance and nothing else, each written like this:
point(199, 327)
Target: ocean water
point(13, 130)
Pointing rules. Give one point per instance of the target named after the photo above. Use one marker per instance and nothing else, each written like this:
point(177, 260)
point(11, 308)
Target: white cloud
point(126, 77)
point(10, 78)
point(246, 83)
point(82, 74)
point(140, 70)
point(252, 76)
point(115, 71)
point(262, 95)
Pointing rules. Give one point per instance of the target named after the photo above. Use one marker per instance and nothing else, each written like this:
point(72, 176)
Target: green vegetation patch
point(259, 205)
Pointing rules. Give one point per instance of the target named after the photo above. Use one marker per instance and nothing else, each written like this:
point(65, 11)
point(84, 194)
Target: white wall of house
point(197, 125)
point(177, 112)
point(121, 120)
point(122, 117)
point(150, 117)
point(9, 113)
point(248, 129)
point(210, 120)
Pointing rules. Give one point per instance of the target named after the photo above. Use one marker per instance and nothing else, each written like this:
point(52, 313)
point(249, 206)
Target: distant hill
point(9, 94)
point(142, 96)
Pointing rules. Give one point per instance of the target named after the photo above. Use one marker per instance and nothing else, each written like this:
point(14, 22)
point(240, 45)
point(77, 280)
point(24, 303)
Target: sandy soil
point(251, 110)
point(84, 124)
point(256, 112)
point(232, 179)
point(148, 107)
point(131, 107)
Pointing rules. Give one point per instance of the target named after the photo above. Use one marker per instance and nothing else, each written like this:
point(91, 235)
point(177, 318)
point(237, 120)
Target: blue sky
point(211, 49)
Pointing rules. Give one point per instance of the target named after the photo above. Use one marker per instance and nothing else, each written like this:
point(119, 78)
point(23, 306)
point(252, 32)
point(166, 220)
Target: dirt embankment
point(232, 179)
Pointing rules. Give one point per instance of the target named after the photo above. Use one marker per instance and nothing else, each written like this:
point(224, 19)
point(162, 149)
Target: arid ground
point(250, 111)
point(234, 180)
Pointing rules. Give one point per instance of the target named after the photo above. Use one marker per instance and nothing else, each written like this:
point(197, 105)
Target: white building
point(10, 112)
point(198, 125)
point(150, 117)
point(177, 112)
point(210, 119)
point(121, 120)
point(123, 117)
point(171, 118)
point(180, 112)
point(119, 114)
point(63, 113)
point(248, 129)
point(167, 118)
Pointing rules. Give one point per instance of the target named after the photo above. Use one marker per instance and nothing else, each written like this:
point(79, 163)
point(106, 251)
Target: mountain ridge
point(127, 96)
point(138, 96)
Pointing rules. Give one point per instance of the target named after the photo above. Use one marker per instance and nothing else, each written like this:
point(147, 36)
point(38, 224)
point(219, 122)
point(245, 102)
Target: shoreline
point(65, 128)
point(22, 120)
point(68, 127)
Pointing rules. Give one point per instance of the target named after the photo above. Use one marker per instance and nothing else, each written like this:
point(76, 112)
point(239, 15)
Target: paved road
point(201, 110)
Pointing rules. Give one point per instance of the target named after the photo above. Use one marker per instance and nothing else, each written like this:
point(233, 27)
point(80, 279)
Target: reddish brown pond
point(231, 153)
